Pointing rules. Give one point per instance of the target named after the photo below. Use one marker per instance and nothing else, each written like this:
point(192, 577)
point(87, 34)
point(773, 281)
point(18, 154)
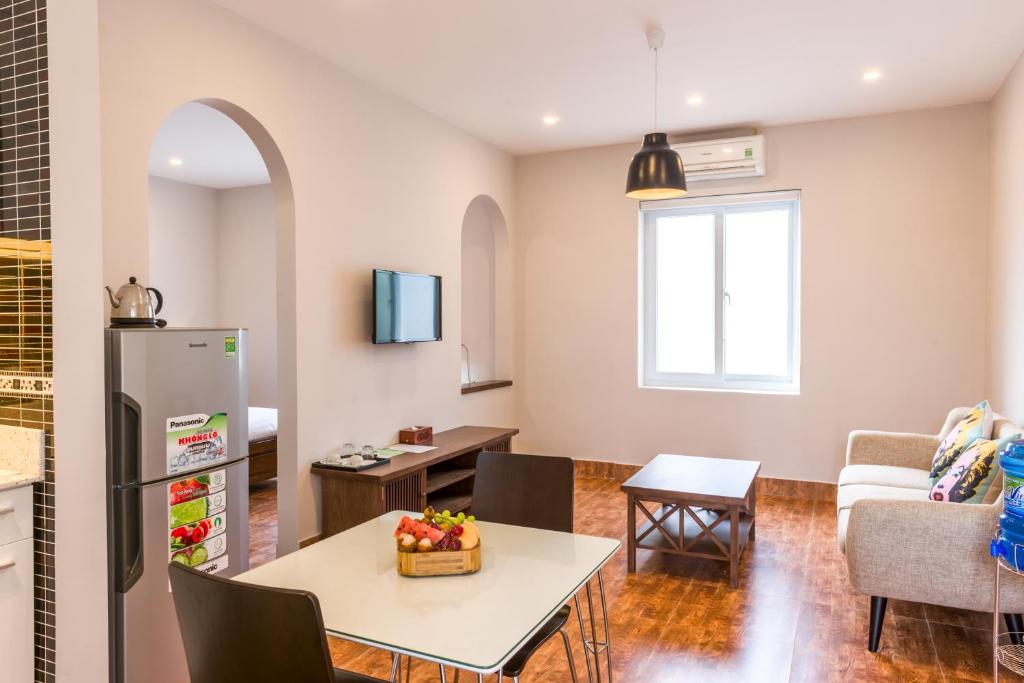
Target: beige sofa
point(900, 544)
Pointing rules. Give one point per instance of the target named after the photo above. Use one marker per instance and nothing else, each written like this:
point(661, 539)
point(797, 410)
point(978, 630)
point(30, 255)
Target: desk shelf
point(443, 478)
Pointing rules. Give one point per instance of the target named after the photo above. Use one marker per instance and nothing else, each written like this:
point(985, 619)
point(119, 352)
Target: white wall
point(478, 291)
point(212, 254)
point(1006, 276)
point(894, 266)
point(355, 208)
point(183, 254)
point(246, 282)
point(78, 317)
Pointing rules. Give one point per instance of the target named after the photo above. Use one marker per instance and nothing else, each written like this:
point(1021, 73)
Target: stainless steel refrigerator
point(177, 443)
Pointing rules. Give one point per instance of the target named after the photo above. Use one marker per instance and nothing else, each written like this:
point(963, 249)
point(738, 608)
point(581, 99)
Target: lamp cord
point(656, 79)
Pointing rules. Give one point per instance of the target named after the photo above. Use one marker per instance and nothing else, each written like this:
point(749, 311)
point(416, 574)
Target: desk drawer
point(16, 618)
point(15, 514)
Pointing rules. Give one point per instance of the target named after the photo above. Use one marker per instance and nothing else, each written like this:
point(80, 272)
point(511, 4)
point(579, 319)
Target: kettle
point(133, 305)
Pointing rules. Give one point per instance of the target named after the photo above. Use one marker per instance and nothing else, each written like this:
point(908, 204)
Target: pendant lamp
point(656, 171)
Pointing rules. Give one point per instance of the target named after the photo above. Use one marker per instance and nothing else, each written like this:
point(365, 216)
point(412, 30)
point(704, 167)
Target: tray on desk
point(351, 468)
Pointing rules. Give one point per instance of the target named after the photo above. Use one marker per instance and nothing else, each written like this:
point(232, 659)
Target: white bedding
point(262, 423)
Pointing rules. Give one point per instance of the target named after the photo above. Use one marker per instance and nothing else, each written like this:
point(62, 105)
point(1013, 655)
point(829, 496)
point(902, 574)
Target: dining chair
point(242, 633)
point(533, 491)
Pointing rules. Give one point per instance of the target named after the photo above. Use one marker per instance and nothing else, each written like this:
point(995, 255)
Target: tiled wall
point(26, 329)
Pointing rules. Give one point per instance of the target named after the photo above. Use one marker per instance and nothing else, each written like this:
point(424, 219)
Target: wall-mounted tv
point(406, 307)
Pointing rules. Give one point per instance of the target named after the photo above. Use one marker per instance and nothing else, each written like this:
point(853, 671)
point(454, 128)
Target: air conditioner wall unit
point(726, 158)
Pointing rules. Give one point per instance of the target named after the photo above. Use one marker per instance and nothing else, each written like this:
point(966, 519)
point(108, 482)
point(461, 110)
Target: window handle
point(726, 298)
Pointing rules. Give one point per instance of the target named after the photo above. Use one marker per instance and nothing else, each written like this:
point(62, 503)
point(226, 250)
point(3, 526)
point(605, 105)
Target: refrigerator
point(177, 448)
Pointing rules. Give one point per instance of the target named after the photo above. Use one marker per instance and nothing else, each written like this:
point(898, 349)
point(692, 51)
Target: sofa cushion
point(972, 476)
point(976, 424)
point(851, 493)
point(885, 475)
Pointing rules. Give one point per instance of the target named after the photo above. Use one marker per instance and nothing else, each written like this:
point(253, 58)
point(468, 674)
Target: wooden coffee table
point(706, 508)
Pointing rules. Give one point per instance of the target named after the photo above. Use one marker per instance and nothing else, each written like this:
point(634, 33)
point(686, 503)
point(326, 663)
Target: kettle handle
point(159, 298)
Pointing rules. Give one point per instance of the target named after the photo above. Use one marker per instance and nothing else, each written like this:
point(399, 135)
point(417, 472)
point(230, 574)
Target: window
point(720, 293)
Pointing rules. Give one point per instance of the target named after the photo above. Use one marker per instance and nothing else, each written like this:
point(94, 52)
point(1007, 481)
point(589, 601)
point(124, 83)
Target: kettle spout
point(114, 303)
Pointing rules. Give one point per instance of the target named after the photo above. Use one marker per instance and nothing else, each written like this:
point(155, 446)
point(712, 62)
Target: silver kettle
point(133, 305)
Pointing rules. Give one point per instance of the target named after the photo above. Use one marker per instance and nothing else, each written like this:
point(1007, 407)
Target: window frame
point(719, 205)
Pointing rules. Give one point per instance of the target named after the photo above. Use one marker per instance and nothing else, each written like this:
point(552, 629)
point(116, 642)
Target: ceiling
point(496, 68)
point(213, 150)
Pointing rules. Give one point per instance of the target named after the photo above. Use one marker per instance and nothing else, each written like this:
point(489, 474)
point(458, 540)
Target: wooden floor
point(794, 617)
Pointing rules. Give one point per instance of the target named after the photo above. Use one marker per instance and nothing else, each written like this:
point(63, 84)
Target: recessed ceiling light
point(695, 100)
point(550, 120)
point(175, 161)
point(872, 75)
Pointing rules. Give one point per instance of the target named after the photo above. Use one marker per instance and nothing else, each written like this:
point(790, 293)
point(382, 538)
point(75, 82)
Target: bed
point(262, 444)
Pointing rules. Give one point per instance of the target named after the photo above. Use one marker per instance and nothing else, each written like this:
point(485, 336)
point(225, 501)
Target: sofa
point(901, 544)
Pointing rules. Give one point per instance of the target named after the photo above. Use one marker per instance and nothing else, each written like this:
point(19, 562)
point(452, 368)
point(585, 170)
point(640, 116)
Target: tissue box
point(416, 435)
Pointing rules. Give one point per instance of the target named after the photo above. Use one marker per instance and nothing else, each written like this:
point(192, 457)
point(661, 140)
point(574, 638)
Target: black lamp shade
point(656, 171)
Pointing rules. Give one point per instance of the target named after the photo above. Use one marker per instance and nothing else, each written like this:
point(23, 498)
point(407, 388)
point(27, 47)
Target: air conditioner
point(718, 159)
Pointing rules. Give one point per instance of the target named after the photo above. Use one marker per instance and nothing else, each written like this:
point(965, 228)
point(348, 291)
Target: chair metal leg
point(568, 655)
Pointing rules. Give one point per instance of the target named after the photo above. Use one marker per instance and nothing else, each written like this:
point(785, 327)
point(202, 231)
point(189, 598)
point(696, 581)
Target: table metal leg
point(396, 667)
point(591, 645)
point(444, 679)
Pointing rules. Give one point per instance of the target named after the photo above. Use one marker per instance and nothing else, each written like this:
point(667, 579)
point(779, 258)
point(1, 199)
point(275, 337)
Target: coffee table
point(706, 508)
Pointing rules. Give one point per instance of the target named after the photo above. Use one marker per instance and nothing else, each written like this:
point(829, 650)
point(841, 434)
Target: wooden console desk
point(442, 478)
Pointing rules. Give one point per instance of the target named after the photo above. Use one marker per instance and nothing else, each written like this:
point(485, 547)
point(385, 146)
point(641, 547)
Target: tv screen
point(406, 307)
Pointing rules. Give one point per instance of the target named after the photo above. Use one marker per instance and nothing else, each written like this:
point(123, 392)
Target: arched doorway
point(219, 186)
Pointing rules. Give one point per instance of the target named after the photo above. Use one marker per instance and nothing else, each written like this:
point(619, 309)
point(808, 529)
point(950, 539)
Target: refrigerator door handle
point(127, 439)
point(128, 564)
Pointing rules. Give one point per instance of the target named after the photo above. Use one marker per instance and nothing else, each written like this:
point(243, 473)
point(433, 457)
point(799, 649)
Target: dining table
point(471, 622)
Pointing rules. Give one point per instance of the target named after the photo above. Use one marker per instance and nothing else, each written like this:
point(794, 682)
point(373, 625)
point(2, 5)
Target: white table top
point(474, 622)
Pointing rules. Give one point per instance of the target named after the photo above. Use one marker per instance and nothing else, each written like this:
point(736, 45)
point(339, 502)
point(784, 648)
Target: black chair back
point(525, 490)
point(238, 632)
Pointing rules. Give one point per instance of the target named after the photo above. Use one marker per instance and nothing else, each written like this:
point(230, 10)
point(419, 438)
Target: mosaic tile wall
point(26, 329)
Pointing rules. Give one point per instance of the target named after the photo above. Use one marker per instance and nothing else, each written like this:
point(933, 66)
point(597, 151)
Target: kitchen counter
point(12, 480)
point(21, 456)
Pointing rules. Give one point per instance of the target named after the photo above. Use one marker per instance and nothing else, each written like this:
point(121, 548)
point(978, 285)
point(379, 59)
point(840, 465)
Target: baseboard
point(311, 540)
point(766, 486)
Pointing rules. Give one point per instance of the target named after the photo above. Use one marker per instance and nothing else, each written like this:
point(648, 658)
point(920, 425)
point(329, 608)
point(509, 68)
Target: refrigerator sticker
point(196, 441)
point(230, 347)
point(197, 521)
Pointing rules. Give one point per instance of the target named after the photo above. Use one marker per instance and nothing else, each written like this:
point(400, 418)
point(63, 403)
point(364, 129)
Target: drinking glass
point(368, 452)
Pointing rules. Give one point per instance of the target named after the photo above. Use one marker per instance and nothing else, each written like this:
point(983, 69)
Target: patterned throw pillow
point(971, 475)
point(977, 424)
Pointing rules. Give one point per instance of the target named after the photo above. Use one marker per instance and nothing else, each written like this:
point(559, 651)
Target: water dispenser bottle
point(1010, 542)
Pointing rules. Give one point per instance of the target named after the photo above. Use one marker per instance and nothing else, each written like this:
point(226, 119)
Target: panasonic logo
point(187, 423)
point(201, 345)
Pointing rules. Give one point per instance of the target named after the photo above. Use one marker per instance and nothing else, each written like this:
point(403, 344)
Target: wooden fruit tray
point(439, 563)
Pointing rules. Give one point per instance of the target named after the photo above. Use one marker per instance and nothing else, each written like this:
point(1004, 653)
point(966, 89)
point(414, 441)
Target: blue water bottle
point(1010, 542)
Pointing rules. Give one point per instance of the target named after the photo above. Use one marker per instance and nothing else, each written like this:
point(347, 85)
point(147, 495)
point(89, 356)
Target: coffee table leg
point(631, 533)
point(734, 546)
point(751, 510)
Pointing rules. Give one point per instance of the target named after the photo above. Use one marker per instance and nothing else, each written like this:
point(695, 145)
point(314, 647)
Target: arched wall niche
point(486, 293)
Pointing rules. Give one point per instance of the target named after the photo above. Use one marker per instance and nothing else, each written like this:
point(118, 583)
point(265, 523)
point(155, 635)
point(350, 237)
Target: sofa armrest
point(891, 448)
point(926, 551)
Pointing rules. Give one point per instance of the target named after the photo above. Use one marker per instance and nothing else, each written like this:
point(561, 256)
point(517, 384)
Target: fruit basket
point(438, 544)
